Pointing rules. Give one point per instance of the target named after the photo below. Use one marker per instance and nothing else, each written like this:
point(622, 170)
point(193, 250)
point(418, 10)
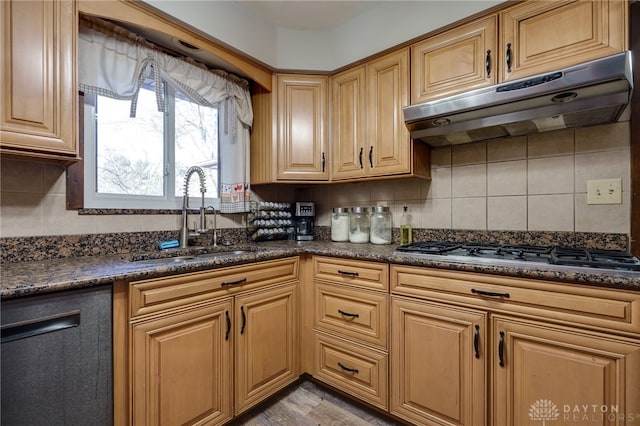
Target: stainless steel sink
point(165, 260)
point(224, 253)
point(169, 259)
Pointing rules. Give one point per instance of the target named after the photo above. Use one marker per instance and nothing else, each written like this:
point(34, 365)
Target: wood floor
point(309, 404)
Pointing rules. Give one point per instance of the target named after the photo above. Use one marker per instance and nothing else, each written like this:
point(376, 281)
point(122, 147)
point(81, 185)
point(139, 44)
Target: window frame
point(95, 200)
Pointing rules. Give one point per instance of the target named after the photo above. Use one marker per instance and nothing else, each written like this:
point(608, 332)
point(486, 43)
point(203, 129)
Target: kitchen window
point(149, 116)
point(141, 162)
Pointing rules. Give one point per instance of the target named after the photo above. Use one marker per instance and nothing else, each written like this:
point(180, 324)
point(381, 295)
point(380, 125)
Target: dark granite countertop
point(26, 278)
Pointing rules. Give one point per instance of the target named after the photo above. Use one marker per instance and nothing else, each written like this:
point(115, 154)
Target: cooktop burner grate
point(609, 259)
point(594, 258)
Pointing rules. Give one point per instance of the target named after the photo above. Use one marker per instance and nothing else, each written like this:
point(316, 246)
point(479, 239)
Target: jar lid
point(380, 209)
point(340, 210)
point(358, 209)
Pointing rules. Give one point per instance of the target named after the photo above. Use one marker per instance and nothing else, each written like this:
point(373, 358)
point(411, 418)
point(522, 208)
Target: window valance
point(114, 62)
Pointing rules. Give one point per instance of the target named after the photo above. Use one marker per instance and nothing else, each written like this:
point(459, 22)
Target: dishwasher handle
point(37, 326)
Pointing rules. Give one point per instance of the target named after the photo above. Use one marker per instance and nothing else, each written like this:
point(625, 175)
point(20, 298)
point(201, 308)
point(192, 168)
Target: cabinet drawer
point(371, 275)
point(597, 308)
point(354, 369)
point(158, 294)
point(355, 313)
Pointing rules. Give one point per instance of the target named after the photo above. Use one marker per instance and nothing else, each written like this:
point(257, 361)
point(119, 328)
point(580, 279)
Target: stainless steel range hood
point(596, 92)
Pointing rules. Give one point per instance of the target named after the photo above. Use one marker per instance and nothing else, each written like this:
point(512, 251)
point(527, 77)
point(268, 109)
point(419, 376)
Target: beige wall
point(537, 182)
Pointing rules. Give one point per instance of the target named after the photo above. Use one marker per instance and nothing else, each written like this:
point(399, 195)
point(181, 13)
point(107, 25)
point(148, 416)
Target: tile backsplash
point(528, 183)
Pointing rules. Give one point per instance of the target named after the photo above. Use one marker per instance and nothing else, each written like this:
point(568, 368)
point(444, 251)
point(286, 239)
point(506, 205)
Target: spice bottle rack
point(270, 221)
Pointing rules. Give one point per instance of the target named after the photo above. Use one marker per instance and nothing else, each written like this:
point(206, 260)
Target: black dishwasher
point(56, 357)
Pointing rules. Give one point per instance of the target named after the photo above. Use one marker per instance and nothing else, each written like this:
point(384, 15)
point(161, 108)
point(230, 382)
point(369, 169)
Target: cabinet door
point(348, 124)
point(387, 93)
point(455, 61)
point(545, 36)
point(543, 373)
point(438, 363)
point(37, 73)
point(302, 115)
point(266, 330)
point(181, 367)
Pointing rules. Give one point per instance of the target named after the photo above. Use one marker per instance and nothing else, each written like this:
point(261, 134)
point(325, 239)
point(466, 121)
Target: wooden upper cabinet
point(545, 36)
point(301, 109)
point(348, 115)
point(368, 135)
point(528, 38)
point(455, 61)
point(38, 75)
point(387, 93)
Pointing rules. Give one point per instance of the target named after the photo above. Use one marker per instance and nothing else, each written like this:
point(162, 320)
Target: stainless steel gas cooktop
point(588, 258)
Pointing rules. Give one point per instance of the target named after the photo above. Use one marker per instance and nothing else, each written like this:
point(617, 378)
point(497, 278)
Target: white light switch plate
point(604, 191)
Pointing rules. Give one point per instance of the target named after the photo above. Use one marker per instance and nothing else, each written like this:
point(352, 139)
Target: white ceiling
point(310, 14)
point(317, 35)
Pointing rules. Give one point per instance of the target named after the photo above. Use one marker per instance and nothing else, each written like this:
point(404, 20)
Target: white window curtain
point(114, 62)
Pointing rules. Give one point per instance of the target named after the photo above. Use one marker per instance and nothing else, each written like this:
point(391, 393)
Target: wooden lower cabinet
point(181, 367)
point(350, 327)
point(481, 349)
point(266, 344)
point(198, 349)
point(438, 368)
point(561, 375)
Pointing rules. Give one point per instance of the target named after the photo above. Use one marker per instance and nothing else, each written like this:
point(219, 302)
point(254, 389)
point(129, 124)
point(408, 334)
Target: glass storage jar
point(359, 225)
point(340, 224)
point(380, 225)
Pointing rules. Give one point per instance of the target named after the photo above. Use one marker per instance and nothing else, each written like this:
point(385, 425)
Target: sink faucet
point(184, 231)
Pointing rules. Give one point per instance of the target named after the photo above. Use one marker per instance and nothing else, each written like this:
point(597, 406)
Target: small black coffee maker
point(304, 216)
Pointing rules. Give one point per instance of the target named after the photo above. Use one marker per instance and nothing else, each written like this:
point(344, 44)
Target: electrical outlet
point(604, 191)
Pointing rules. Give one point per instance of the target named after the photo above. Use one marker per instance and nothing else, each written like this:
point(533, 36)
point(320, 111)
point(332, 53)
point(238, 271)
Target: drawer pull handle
point(487, 63)
point(226, 283)
point(350, 370)
point(476, 341)
point(371, 157)
point(347, 314)
point(226, 335)
point(351, 274)
point(244, 320)
point(508, 57)
point(501, 349)
point(488, 293)
point(360, 157)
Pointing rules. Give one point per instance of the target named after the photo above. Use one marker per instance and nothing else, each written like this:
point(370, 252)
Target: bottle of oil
point(405, 227)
